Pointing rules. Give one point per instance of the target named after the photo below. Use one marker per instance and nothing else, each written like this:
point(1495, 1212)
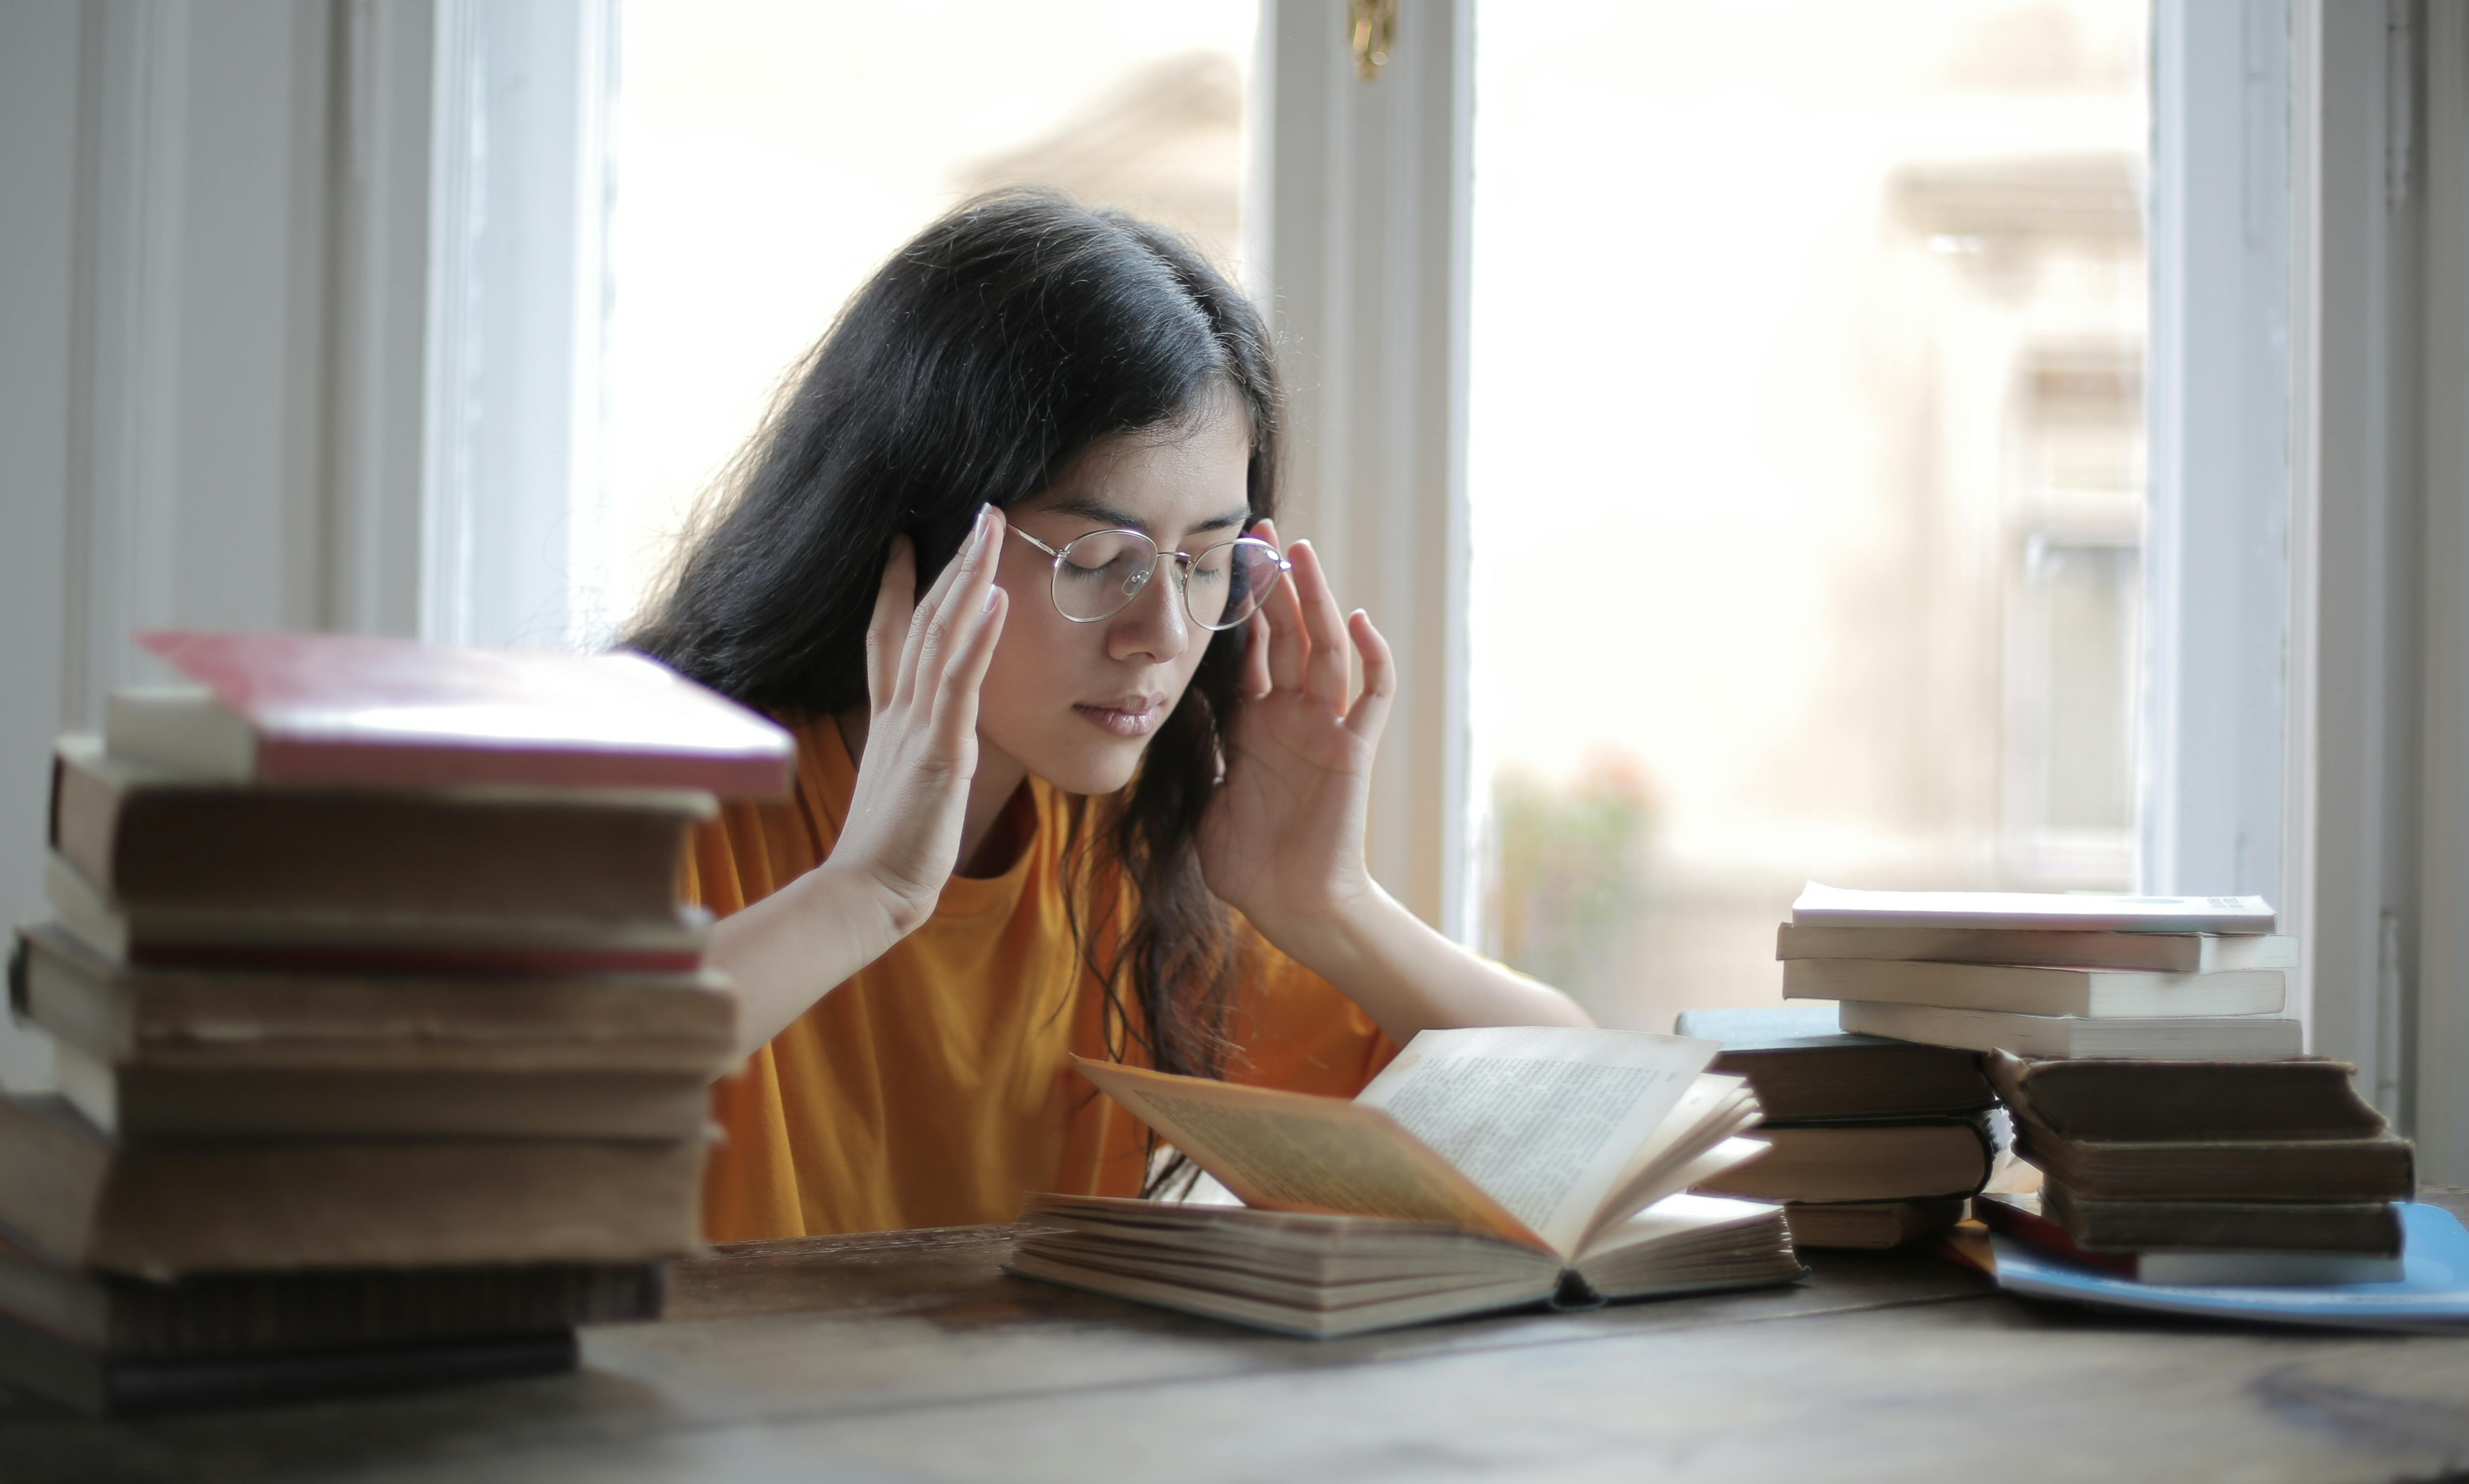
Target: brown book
point(2300, 1098)
point(208, 1021)
point(146, 1101)
point(1801, 1066)
point(159, 1209)
point(102, 1384)
point(2381, 1168)
point(2185, 953)
point(230, 1313)
point(389, 942)
point(150, 838)
point(2365, 1228)
point(1862, 1161)
point(1869, 1224)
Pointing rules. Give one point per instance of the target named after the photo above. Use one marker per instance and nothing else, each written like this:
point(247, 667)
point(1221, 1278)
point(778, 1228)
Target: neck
point(986, 846)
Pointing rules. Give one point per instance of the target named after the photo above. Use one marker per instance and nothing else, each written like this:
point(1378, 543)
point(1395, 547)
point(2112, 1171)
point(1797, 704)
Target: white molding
point(2210, 815)
point(516, 285)
point(2440, 1094)
point(2354, 692)
point(1366, 254)
point(377, 448)
point(179, 174)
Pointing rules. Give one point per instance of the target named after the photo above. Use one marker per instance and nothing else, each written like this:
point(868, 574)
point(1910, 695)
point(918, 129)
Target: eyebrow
point(1115, 518)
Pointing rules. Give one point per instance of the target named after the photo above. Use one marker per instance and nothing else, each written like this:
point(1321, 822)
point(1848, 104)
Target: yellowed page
point(1544, 1118)
point(1287, 1151)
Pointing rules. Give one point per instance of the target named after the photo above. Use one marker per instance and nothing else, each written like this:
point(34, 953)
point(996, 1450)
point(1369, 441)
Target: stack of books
point(2197, 978)
point(1873, 1143)
point(2205, 1171)
point(381, 1034)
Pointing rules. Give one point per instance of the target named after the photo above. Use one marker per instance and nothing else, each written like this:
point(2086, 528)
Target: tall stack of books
point(1872, 1142)
point(2047, 976)
point(2205, 1172)
point(381, 1034)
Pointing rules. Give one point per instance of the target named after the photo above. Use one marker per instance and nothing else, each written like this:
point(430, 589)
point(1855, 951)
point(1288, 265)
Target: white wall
point(198, 385)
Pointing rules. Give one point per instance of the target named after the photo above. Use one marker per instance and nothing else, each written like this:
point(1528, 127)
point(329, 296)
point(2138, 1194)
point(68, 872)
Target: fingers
point(887, 631)
point(1379, 678)
point(1254, 678)
point(951, 611)
point(956, 693)
point(1325, 673)
point(1282, 612)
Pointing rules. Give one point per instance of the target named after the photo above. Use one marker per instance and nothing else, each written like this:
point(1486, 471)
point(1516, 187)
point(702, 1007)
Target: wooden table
point(908, 1356)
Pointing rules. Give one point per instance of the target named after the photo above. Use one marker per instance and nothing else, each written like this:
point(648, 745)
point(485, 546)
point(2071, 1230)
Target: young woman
point(1027, 800)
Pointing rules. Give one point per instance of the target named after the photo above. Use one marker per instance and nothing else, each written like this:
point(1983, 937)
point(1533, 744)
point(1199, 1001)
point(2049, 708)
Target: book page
point(1545, 1119)
point(1287, 1151)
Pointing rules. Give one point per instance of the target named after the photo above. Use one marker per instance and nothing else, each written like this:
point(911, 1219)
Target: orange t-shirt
point(931, 1089)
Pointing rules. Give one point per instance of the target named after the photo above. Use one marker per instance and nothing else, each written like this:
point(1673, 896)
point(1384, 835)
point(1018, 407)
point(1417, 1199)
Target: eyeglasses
point(1097, 576)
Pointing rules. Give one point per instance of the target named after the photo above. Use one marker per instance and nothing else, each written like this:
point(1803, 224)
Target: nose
point(1153, 625)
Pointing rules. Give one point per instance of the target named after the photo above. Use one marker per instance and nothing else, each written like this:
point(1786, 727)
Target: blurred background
point(1806, 446)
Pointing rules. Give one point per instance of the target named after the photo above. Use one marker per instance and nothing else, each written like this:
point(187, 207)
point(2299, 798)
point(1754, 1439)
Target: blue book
point(2431, 1294)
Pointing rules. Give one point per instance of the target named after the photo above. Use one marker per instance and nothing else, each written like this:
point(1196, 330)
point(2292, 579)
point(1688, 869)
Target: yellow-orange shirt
point(932, 1088)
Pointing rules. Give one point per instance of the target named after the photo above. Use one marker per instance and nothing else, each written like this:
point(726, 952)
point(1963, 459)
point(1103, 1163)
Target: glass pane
point(769, 153)
point(1807, 469)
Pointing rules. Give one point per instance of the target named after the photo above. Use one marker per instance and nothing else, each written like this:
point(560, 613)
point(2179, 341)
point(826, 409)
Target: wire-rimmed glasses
point(1098, 575)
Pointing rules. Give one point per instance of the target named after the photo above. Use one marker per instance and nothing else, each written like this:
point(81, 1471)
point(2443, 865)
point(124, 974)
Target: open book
point(1484, 1169)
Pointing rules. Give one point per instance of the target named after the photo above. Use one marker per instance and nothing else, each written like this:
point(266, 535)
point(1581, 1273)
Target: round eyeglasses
point(1097, 576)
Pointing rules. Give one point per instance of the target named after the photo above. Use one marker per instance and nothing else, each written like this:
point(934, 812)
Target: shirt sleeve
point(1298, 1033)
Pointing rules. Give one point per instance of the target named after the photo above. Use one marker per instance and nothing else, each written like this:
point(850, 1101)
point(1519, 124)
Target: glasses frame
point(1184, 563)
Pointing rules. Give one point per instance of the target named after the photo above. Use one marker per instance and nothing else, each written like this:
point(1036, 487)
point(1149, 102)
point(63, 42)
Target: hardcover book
point(2183, 953)
point(344, 710)
point(168, 1207)
point(1801, 1065)
point(1822, 905)
point(2035, 990)
point(2164, 1038)
point(147, 839)
point(236, 1020)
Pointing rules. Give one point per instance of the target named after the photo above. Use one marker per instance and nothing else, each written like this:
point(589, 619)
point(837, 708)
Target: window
point(1815, 550)
point(769, 156)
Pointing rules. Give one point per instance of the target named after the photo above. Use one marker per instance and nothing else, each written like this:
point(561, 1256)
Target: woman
point(1027, 800)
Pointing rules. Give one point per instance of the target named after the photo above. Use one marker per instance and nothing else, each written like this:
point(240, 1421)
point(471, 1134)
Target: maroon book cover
point(348, 710)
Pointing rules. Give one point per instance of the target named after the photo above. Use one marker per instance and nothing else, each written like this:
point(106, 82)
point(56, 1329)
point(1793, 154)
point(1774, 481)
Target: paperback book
point(1482, 1170)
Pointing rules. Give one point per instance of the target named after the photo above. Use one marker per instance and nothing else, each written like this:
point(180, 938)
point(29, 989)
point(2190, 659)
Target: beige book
point(150, 1102)
point(168, 1207)
point(1484, 1169)
point(237, 1021)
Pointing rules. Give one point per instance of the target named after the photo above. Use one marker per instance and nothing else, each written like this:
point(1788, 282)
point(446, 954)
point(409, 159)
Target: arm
point(924, 660)
point(1283, 838)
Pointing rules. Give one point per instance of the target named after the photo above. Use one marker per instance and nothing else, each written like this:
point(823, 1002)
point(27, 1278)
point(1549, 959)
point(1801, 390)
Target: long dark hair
point(994, 348)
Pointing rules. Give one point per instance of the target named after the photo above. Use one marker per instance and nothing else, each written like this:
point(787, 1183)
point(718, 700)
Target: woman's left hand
point(1282, 841)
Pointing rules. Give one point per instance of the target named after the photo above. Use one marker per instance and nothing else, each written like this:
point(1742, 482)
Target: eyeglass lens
point(1097, 576)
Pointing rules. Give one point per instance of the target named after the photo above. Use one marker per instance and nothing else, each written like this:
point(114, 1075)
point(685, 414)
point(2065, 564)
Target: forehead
point(1190, 476)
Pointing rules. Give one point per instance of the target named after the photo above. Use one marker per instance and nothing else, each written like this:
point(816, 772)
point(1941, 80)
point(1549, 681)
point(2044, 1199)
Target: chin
point(1103, 768)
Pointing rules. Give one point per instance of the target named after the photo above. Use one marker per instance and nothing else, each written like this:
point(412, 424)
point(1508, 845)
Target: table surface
point(908, 1355)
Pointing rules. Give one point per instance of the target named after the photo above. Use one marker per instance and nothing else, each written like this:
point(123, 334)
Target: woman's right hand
point(924, 662)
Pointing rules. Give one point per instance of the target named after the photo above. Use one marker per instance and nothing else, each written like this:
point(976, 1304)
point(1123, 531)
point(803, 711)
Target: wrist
point(1332, 941)
point(874, 912)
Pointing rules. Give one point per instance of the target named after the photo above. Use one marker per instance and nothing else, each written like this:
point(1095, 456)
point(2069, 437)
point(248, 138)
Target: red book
point(343, 711)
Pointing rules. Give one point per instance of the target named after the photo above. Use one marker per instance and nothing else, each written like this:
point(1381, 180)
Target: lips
point(1125, 715)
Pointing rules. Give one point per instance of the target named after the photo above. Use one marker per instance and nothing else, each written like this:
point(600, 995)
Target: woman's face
point(1076, 704)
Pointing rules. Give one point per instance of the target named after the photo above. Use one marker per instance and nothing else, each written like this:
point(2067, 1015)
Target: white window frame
point(1363, 265)
point(2305, 716)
